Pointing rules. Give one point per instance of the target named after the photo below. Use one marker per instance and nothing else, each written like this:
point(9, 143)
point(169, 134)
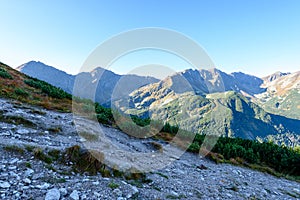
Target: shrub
point(194, 147)
point(5, 74)
point(113, 185)
point(39, 154)
point(50, 90)
point(14, 148)
point(21, 92)
point(279, 158)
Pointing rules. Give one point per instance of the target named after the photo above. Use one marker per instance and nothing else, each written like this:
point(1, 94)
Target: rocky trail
point(23, 176)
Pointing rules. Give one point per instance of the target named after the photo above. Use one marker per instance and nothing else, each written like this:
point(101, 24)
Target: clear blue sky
point(255, 36)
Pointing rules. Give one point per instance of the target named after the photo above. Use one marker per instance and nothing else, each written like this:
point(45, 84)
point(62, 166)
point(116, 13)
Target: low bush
point(279, 158)
point(5, 74)
point(52, 91)
point(21, 92)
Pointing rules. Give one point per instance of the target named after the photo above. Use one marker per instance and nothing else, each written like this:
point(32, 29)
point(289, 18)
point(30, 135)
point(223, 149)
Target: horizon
point(257, 38)
point(141, 73)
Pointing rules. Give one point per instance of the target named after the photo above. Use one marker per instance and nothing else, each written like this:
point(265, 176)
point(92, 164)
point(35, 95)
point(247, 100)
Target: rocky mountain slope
point(282, 94)
point(25, 174)
point(228, 114)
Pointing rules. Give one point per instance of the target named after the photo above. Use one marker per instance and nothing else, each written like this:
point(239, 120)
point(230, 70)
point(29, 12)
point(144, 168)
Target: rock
point(133, 191)
point(96, 183)
point(22, 131)
point(25, 188)
point(27, 181)
point(43, 187)
point(63, 191)
point(4, 185)
point(174, 193)
point(202, 167)
point(37, 176)
point(237, 172)
point(84, 196)
point(74, 195)
point(229, 195)
point(28, 172)
point(97, 194)
point(178, 171)
point(118, 192)
point(12, 167)
point(53, 194)
point(13, 161)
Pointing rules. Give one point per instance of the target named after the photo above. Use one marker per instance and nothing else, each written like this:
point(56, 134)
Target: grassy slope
point(288, 105)
point(15, 88)
point(228, 114)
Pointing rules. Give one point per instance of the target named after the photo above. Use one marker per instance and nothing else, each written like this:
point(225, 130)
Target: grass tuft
point(14, 148)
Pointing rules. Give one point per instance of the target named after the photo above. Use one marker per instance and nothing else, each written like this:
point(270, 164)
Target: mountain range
point(104, 80)
point(204, 101)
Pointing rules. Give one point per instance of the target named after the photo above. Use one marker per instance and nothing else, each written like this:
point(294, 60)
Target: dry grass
point(157, 146)
point(89, 136)
point(14, 148)
point(34, 97)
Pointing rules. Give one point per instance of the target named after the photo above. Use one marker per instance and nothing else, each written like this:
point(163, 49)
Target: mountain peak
point(275, 76)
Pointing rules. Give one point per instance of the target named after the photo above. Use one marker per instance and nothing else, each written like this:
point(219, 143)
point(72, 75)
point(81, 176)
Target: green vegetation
point(113, 185)
point(47, 88)
point(162, 175)
point(84, 160)
point(272, 158)
point(39, 154)
point(17, 120)
point(21, 92)
point(13, 86)
point(286, 105)
point(29, 148)
point(55, 154)
point(5, 74)
point(28, 165)
point(104, 115)
point(14, 148)
point(171, 196)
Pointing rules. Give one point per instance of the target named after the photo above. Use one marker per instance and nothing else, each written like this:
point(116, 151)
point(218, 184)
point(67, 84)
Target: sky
point(257, 37)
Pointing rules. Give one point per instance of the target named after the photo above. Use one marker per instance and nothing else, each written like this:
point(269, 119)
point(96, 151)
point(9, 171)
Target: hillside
point(22, 88)
point(228, 114)
point(282, 95)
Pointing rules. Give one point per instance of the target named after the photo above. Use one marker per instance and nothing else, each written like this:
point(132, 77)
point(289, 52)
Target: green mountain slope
point(226, 114)
point(286, 105)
